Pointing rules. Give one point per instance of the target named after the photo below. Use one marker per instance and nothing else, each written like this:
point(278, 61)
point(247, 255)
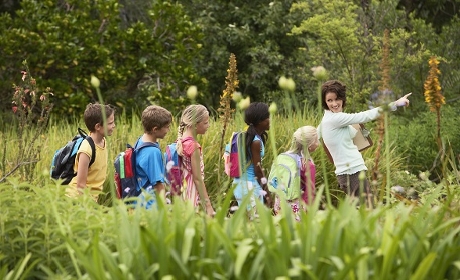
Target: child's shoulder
point(190, 145)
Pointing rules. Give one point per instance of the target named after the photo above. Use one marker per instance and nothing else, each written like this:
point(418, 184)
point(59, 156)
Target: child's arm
point(82, 172)
point(308, 176)
point(259, 172)
point(159, 189)
point(199, 183)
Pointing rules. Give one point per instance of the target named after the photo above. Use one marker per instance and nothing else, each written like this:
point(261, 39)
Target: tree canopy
point(151, 52)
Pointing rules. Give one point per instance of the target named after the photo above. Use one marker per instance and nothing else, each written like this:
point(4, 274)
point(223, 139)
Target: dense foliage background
point(151, 51)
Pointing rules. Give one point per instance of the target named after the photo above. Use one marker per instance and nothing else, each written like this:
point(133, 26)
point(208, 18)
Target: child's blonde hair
point(303, 138)
point(191, 115)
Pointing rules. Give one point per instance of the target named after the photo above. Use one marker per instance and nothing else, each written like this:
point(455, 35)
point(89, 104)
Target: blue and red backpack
point(125, 171)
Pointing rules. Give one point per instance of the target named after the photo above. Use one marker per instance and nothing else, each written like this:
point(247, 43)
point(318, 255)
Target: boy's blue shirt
point(149, 165)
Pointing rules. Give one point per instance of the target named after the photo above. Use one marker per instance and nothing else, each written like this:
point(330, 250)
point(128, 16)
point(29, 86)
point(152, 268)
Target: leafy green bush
point(415, 139)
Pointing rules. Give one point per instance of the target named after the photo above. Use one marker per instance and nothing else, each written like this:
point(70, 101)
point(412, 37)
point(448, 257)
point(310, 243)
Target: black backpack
point(64, 158)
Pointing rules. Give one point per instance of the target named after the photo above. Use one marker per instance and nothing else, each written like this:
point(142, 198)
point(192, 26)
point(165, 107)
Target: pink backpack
point(173, 160)
point(234, 155)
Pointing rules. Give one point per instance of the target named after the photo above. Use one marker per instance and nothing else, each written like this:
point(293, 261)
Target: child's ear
point(98, 126)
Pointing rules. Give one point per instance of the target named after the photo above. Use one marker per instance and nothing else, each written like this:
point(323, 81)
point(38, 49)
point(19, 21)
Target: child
point(156, 121)
point(93, 176)
point(304, 141)
point(194, 121)
point(257, 117)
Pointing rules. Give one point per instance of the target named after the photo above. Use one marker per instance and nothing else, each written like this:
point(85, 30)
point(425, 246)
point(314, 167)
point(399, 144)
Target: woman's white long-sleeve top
point(337, 132)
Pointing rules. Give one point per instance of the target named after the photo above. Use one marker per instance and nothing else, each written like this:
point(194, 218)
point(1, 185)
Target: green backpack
point(284, 177)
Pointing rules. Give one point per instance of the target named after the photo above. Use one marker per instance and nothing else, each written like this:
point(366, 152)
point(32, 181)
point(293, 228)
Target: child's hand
point(210, 211)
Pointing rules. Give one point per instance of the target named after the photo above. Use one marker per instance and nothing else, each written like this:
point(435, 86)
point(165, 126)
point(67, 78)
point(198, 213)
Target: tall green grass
point(47, 235)
point(44, 234)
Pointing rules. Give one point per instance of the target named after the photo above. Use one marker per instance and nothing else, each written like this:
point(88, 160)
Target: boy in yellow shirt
point(93, 177)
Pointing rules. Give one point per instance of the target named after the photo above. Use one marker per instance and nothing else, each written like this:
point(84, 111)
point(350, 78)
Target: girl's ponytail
point(180, 132)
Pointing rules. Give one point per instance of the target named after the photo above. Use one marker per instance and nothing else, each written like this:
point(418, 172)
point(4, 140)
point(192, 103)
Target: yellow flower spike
point(433, 95)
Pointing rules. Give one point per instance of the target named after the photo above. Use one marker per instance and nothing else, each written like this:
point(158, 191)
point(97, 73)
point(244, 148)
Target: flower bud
point(237, 96)
point(192, 92)
point(320, 73)
point(95, 81)
point(244, 103)
point(273, 108)
point(282, 82)
point(290, 84)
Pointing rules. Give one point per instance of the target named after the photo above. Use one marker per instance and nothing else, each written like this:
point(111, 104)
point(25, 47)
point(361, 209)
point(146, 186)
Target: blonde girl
point(194, 121)
point(304, 141)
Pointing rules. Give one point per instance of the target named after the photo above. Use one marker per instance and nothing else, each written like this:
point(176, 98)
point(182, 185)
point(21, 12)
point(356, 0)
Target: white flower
point(192, 92)
point(169, 165)
point(95, 81)
point(263, 193)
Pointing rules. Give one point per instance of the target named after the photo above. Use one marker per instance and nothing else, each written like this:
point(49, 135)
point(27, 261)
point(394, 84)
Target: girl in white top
point(337, 133)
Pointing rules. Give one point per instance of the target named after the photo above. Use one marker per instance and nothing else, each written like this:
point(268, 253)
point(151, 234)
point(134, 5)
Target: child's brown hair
point(155, 116)
point(93, 114)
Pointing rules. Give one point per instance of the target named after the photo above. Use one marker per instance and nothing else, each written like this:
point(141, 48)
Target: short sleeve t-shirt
point(149, 166)
point(97, 172)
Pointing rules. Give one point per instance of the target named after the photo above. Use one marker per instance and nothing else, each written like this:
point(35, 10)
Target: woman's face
point(333, 103)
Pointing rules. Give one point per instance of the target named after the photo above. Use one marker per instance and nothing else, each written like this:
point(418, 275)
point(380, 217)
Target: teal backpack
point(284, 177)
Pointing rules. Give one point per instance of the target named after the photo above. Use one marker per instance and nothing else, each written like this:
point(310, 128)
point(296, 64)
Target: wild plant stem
point(387, 156)
point(323, 158)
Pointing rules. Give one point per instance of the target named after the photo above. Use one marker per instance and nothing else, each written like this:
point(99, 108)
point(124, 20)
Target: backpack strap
point(93, 149)
point(143, 145)
point(298, 160)
point(91, 144)
point(326, 150)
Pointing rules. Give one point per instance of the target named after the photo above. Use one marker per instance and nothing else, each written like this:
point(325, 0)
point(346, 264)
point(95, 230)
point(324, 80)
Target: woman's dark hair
point(256, 113)
point(336, 87)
